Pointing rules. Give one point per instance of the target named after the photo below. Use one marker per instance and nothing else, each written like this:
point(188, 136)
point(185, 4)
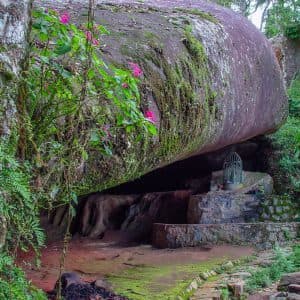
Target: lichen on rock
point(210, 77)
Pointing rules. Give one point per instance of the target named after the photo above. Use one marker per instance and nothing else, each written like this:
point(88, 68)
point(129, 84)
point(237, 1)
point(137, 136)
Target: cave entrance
point(194, 173)
point(161, 196)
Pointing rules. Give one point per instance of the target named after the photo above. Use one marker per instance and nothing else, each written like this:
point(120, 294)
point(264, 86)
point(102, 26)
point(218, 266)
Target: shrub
point(283, 263)
point(13, 284)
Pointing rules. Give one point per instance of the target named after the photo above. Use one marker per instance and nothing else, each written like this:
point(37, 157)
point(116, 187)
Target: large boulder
point(210, 76)
point(288, 54)
point(223, 207)
point(240, 206)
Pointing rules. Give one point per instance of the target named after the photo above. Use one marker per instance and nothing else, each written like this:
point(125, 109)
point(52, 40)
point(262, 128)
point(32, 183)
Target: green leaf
point(85, 155)
point(152, 129)
point(62, 49)
point(107, 150)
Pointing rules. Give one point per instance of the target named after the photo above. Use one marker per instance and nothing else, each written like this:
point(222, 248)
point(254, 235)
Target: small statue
point(233, 172)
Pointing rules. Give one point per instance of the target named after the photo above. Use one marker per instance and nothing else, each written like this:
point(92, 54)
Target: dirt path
point(159, 270)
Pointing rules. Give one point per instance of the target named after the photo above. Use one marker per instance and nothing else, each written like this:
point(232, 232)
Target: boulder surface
point(210, 77)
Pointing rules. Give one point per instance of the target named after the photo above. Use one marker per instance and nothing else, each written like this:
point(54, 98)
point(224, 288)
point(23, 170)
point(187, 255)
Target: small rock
point(194, 284)
point(294, 288)
point(278, 296)
point(265, 216)
point(276, 218)
point(292, 296)
point(204, 275)
point(271, 210)
point(241, 275)
point(100, 283)
point(237, 288)
point(199, 280)
point(228, 265)
point(288, 279)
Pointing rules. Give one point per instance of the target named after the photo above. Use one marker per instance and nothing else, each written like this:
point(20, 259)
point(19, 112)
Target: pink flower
point(150, 116)
point(88, 35)
point(136, 70)
point(64, 18)
point(125, 85)
point(95, 42)
point(106, 133)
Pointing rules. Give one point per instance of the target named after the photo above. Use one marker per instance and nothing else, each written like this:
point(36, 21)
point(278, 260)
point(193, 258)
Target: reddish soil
point(93, 259)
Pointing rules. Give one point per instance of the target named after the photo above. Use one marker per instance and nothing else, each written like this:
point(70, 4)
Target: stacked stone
point(277, 208)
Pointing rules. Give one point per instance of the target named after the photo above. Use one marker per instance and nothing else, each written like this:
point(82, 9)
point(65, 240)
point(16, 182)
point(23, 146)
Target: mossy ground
point(158, 282)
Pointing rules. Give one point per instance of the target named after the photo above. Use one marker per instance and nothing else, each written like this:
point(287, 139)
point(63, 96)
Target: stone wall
point(260, 235)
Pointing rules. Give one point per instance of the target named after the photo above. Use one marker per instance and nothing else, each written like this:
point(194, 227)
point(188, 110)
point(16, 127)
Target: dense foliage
point(283, 263)
point(279, 17)
point(13, 284)
point(284, 18)
point(287, 142)
point(65, 71)
point(17, 203)
point(77, 104)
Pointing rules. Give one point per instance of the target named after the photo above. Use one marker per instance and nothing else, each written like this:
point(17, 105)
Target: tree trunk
point(14, 20)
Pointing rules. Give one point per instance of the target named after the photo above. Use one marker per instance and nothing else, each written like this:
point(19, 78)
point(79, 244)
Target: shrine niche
point(233, 172)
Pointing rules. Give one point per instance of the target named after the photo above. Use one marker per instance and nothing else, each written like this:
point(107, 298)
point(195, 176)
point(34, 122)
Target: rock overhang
point(237, 84)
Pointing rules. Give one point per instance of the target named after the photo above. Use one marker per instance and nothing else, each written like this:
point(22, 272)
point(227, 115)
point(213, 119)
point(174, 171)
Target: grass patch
point(158, 282)
point(283, 263)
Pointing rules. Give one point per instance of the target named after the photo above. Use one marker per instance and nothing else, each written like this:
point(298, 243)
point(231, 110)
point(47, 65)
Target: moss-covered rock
point(209, 75)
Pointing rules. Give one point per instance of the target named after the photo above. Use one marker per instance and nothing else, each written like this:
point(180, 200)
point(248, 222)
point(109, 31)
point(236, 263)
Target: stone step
point(262, 235)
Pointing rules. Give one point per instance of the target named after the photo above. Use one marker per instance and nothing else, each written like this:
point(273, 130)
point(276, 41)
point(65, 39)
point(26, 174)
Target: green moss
point(199, 13)
point(181, 88)
point(158, 282)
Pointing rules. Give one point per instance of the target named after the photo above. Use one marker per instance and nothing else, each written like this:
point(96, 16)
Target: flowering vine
point(78, 104)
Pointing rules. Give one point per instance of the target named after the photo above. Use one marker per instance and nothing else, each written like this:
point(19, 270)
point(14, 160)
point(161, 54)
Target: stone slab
point(260, 235)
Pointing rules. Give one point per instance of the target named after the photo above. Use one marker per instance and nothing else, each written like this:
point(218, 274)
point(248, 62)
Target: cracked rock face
point(210, 76)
